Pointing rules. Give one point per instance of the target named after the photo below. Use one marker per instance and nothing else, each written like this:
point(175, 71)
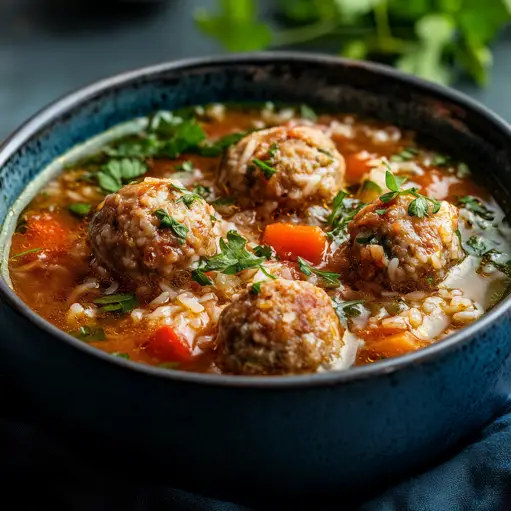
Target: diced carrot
point(357, 166)
point(166, 345)
point(394, 345)
point(45, 231)
point(291, 241)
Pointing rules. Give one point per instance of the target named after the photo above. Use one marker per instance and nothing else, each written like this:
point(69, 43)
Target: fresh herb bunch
point(434, 39)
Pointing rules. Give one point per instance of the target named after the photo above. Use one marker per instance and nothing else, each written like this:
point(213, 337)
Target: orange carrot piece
point(47, 232)
point(394, 345)
point(357, 166)
point(291, 241)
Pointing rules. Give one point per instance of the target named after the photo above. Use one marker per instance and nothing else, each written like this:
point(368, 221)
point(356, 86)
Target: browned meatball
point(307, 168)
point(287, 327)
point(147, 228)
point(397, 251)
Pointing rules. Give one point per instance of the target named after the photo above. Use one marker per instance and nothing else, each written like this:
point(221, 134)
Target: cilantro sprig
point(117, 172)
point(122, 302)
point(89, 334)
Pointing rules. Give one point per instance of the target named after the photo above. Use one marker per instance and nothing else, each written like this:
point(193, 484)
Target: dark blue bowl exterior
point(319, 434)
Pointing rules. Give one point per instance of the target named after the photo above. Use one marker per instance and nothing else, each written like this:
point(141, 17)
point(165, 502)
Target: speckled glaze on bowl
point(325, 434)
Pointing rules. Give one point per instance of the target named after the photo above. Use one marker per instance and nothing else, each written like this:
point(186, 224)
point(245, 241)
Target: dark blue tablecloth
point(40, 471)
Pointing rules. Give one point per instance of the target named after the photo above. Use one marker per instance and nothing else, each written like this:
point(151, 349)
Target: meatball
point(148, 229)
point(389, 247)
point(300, 166)
point(286, 327)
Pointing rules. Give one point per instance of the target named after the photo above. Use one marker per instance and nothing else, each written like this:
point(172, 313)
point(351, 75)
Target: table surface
point(47, 51)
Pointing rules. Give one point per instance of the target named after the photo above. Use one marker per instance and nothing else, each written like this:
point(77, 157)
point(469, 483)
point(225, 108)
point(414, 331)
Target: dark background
point(49, 47)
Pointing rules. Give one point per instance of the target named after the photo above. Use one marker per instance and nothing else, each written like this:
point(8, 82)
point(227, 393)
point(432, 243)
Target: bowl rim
point(61, 106)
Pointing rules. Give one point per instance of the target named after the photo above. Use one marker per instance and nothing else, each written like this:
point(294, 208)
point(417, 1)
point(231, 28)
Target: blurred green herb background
point(439, 40)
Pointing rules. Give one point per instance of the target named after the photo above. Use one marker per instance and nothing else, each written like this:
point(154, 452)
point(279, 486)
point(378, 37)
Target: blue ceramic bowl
point(243, 437)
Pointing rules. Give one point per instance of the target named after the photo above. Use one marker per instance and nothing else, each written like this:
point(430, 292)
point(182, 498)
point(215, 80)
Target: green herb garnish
point(115, 173)
point(122, 302)
point(203, 191)
point(186, 166)
point(474, 205)
point(306, 112)
point(201, 278)
point(272, 151)
point(381, 211)
point(263, 251)
point(268, 170)
point(119, 354)
point(405, 155)
point(80, 209)
point(344, 210)
point(419, 207)
point(26, 252)
point(477, 246)
point(255, 289)
point(89, 334)
point(367, 240)
point(345, 310)
point(224, 201)
point(168, 222)
point(307, 269)
point(219, 146)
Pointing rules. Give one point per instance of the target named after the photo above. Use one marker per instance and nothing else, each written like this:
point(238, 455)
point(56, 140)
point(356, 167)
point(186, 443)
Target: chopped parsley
point(345, 310)
point(474, 205)
point(366, 240)
point(224, 201)
point(268, 170)
point(381, 211)
point(119, 354)
point(255, 288)
point(233, 256)
point(344, 210)
point(201, 278)
point(203, 191)
point(168, 222)
point(218, 146)
point(306, 112)
point(272, 151)
point(26, 252)
point(263, 251)
point(405, 155)
point(307, 269)
point(89, 334)
point(79, 209)
point(122, 302)
point(186, 166)
point(440, 160)
point(419, 207)
point(477, 246)
point(117, 172)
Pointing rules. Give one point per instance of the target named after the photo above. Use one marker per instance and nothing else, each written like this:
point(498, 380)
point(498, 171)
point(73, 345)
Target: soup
point(261, 240)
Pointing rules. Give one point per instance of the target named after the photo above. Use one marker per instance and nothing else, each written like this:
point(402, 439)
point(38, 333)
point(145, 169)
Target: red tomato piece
point(166, 345)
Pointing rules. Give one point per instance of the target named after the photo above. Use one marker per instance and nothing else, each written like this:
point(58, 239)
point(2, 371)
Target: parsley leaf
point(186, 166)
point(79, 209)
point(263, 251)
point(474, 205)
point(268, 170)
point(345, 310)
point(115, 173)
point(203, 191)
point(219, 146)
point(122, 302)
point(255, 289)
point(344, 210)
point(477, 246)
point(89, 334)
point(224, 201)
point(26, 252)
point(330, 278)
point(201, 278)
point(367, 240)
point(394, 182)
point(233, 256)
point(404, 155)
point(306, 112)
point(168, 222)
